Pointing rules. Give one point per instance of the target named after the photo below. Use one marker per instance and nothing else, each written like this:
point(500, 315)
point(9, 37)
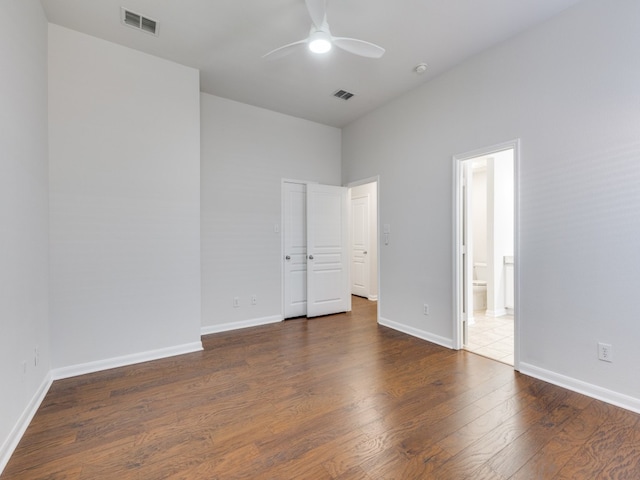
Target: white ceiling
point(225, 40)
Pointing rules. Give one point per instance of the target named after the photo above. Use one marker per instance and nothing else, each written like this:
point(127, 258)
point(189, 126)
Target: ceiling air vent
point(343, 94)
point(135, 20)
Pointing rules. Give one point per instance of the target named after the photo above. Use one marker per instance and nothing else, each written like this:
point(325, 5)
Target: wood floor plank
point(337, 398)
point(601, 447)
point(625, 463)
point(470, 459)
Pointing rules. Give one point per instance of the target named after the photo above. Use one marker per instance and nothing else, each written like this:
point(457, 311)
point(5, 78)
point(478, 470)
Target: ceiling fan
point(320, 39)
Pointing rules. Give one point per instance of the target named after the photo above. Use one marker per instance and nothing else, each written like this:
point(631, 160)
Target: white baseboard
point(10, 444)
point(614, 398)
point(415, 332)
point(373, 298)
point(226, 327)
point(99, 365)
point(496, 313)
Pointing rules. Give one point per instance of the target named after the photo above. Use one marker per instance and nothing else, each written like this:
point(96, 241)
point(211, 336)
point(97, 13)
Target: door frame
point(280, 229)
point(375, 179)
point(457, 166)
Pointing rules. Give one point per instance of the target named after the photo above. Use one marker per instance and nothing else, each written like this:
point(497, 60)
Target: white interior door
point(327, 251)
point(360, 259)
point(295, 249)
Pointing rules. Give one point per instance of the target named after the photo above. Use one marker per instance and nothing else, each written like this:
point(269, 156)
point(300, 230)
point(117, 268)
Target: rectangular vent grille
point(136, 20)
point(343, 94)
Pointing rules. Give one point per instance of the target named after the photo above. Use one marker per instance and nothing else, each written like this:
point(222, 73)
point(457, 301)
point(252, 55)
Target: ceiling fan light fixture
point(319, 42)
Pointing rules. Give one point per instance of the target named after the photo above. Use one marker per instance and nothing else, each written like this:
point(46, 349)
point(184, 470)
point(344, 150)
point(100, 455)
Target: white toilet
point(479, 286)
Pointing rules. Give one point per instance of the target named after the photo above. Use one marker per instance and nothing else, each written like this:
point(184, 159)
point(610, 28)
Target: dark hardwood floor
point(336, 397)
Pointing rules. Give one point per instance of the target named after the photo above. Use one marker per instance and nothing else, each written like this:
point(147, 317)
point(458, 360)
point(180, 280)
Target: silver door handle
point(364, 253)
point(310, 257)
point(287, 257)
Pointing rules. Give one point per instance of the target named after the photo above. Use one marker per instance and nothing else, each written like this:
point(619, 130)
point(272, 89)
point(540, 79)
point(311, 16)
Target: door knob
point(310, 257)
point(364, 253)
point(287, 257)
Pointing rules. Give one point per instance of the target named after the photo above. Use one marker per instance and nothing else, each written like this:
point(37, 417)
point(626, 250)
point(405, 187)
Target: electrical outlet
point(605, 352)
point(254, 299)
point(236, 302)
point(425, 309)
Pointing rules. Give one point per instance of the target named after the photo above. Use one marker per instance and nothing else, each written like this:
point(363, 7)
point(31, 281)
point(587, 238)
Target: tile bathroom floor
point(492, 337)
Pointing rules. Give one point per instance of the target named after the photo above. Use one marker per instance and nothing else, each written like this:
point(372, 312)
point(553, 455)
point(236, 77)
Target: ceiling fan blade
point(317, 11)
point(359, 47)
point(283, 50)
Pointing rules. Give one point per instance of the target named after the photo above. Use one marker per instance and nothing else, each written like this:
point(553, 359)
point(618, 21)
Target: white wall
point(24, 304)
point(124, 204)
point(246, 152)
point(500, 176)
point(569, 90)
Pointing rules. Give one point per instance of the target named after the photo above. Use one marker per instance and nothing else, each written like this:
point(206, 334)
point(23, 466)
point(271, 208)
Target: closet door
point(295, 249)
point(327, 251)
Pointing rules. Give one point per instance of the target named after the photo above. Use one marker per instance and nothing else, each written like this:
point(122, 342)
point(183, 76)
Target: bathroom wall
point(500, 225)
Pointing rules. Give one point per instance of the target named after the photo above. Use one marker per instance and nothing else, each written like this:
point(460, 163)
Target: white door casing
point(458, 202)
point(295, 249)
point(467, 251)
point(360, 258)
point(327, 250)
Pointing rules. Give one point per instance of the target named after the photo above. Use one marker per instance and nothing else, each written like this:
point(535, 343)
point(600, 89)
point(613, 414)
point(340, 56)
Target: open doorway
point(363, 239)
point(485, 252)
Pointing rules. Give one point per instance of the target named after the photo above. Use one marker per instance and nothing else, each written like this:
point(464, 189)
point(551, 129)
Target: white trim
point(11, 442)
point(609, 396)
point(99, 365)
point(496, 313)
point(364, 181)
point(415, 332)
point(456, 231)
point(254, 322)
point(373, 298)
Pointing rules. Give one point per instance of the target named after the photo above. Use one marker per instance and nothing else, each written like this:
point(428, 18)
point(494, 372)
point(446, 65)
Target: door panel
point(360, 246)
point(327, 251)
point(295, 250)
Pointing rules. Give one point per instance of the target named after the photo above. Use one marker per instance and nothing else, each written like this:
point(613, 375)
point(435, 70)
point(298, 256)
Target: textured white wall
point(569, 90)
point(124, 201)
point(246, 152)
point(24, 298)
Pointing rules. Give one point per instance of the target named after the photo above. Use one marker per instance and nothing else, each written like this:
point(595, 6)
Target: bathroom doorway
point(485, 252)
